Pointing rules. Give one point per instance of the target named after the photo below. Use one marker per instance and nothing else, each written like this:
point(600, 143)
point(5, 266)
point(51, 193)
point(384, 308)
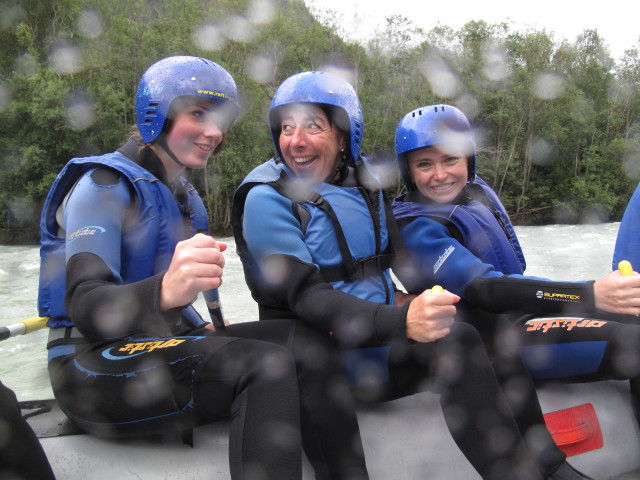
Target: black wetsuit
point(21, 455)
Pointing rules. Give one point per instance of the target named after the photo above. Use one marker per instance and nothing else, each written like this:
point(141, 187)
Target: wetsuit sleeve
point(517, 293)
point(438, 258)
point(97, 301)
point(275, 239)
point(628, 240)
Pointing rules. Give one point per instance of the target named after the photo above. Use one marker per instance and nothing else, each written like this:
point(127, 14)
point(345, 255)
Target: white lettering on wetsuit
point(442, 258)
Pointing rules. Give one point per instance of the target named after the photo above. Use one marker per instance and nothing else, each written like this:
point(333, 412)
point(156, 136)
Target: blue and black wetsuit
point(320, 254)
point(469, 247)
point(120, 366)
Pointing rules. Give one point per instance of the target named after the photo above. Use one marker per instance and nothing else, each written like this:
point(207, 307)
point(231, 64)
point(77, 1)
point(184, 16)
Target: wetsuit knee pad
point(243, 359)
point(465, 334)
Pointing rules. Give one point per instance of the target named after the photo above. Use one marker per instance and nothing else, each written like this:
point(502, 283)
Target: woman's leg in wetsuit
point(330, 431)
point(576, 349)
point(156, 386)
point(502, 338)
point(253, 382)
point(474, 407)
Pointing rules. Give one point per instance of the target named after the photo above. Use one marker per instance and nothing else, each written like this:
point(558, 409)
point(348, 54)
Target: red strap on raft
point(575, 430)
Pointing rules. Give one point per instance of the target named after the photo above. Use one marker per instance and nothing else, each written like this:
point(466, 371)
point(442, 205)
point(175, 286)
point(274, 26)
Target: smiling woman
point(197, 132)
point(310, 143)
point(465, 242)
point(441, 175)
point(128, 353)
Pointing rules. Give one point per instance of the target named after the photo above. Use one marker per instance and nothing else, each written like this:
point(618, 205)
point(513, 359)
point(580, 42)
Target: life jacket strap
point(352, 271)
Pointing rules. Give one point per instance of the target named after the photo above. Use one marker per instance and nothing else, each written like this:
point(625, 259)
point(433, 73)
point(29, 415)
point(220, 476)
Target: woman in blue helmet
point(437, 160)
point(317, 239)
point(121, 266)
point(458, 234)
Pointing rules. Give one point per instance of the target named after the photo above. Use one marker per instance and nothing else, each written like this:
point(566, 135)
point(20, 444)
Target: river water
point(558, 252)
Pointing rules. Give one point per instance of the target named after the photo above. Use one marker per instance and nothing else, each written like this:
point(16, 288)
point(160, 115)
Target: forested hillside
point(559, 122)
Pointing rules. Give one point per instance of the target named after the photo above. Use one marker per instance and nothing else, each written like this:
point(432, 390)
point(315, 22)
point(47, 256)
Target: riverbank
point(19, 237)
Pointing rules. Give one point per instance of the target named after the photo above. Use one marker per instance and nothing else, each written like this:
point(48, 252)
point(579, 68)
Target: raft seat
point(403, 439)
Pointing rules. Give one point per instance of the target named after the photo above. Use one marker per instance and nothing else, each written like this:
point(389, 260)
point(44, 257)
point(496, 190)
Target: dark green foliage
point(559, 135)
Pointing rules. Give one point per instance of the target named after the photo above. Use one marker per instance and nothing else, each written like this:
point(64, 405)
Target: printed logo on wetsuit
point(81, 232)
point(557, 297)
point(567, 323)
point(137, 348)
point(442, 258)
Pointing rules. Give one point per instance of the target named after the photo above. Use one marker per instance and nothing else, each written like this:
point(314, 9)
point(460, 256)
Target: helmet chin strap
point(162, 142)
point(340, 172)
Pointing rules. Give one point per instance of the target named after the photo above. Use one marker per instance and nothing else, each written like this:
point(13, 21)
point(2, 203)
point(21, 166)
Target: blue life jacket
point(147, 248)
point(329, 215)
point(480, 223)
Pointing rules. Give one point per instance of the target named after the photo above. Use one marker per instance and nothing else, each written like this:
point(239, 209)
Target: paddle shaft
point(25, 326)
point(212, 299)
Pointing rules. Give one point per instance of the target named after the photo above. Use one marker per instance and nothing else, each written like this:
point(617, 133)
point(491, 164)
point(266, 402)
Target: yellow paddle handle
point(625, 268)
point(34, 323)
point(437, 289)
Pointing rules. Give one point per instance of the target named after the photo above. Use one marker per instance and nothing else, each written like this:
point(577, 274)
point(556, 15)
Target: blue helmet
point(434, 125)
point(181, 76)
point(324, 89)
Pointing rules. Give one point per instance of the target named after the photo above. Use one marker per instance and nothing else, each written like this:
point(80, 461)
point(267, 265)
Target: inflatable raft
point(405, 439)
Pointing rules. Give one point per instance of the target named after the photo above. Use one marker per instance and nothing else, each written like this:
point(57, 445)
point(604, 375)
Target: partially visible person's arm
point(440, 259)
point(21, 454)
point(628, 239)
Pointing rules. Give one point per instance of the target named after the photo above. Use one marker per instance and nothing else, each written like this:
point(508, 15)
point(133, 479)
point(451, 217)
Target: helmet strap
point(162, 142)
point(341, 171)
point(331, 178)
